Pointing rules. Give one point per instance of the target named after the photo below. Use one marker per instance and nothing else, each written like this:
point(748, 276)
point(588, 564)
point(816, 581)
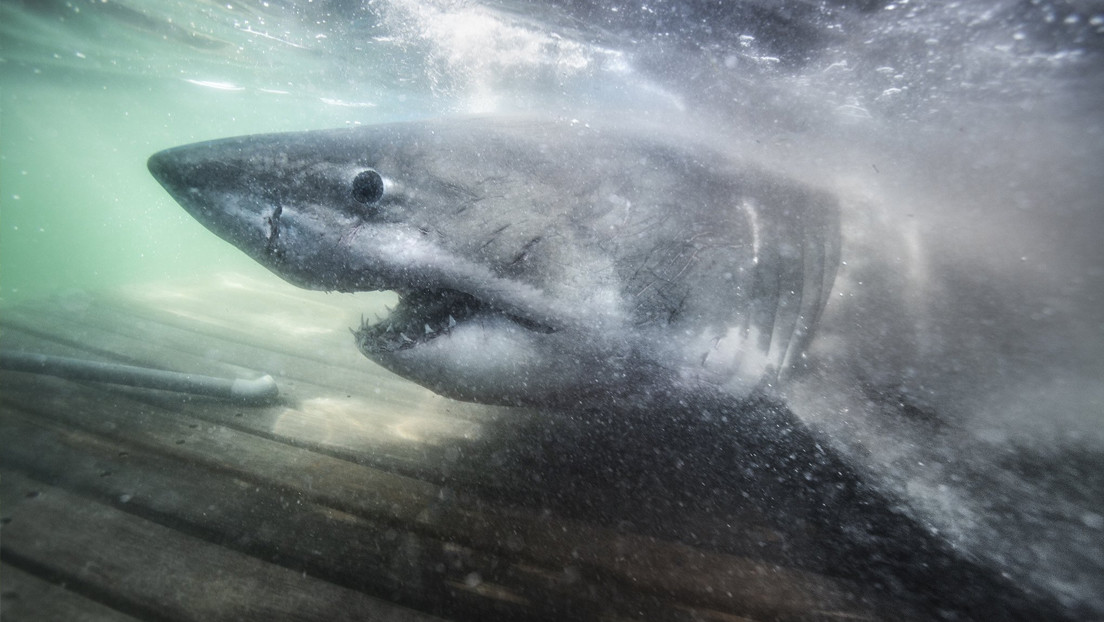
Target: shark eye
point(367, 187)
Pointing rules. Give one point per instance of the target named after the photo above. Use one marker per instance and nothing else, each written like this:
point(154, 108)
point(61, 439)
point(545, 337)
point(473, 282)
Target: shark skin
point(538, 263)
point(633, 275)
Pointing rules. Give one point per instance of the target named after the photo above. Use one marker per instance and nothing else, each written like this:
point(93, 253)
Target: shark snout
point(176, 172)
point(160, 166)
point(183, 170)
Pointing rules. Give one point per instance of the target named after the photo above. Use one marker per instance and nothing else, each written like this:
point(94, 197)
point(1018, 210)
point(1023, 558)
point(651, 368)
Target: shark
point(536, 263)
point(627, 268)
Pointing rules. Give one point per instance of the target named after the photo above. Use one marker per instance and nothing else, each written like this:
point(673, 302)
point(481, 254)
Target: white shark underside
point(550, 263)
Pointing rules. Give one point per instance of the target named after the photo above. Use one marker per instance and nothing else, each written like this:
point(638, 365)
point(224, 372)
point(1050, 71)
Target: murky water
point(981, 124)
point(90, 89)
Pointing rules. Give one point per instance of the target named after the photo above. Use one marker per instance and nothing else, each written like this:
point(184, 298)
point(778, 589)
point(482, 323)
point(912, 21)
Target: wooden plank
point(336, 413)
point(704, 579)
point(117, 332)
point(25, 597)
point(327, 362)
point(346, 427)
point(316, 450)
point(442, 449)
point(297, 396)
point(276, 525)
point(334, 545)
point(146, 569)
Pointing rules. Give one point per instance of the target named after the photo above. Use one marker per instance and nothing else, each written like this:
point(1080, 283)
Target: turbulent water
point(91, 88)
point(981, 124)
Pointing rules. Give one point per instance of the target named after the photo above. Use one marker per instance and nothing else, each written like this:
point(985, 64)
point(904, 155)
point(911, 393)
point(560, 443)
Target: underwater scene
point(561, 310)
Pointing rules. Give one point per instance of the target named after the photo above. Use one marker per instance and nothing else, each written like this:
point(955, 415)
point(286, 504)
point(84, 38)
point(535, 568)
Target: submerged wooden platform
point(357, 495)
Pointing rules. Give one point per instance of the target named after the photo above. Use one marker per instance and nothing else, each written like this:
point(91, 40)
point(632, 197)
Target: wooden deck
point(357, 496)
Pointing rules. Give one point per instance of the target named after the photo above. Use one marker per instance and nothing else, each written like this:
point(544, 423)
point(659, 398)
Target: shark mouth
point(424, 315)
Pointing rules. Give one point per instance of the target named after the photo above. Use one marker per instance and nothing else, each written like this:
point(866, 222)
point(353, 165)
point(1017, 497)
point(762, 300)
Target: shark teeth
point(420, 316)
point(424, 315)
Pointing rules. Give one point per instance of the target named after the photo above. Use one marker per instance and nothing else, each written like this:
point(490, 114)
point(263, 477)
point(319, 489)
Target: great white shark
point(565, 265)
point(536, 263)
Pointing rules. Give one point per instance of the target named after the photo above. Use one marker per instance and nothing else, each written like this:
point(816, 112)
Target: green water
point(982, 130)
point(90, 88)
point(78, 209)
point(89, 91)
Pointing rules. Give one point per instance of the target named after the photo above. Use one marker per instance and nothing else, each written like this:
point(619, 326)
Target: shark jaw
point(422, 315)
point(464, 340)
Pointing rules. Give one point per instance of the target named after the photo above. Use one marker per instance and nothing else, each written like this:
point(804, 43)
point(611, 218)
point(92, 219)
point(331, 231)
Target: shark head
point(536, 262)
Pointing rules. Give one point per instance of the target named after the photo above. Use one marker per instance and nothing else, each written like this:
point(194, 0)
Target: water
point(980, 123)
point(91, 88)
